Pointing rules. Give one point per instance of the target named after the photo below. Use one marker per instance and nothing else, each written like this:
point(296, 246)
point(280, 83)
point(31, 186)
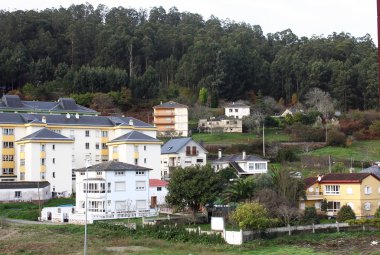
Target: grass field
point(359, 150)
point(68, 239)
point(271, 135)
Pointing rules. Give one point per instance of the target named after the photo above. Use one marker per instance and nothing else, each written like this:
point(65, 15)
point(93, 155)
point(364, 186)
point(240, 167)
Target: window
point(53, 174)
point(120, 205)
point(22, 162)
point(144, 147)
point(188, 150)
point(43, 161)
point(97, 158)
point(22, 176)
point(236, 110)
point(7, 144)
point(230, 110)
point(333, 206)
point(87, 133)
point(260, 166)
point(108, 187)
point(119, 173)
point(136, 161)
point(53, 147)
point(140, 172)
point(104, 133)
point(136, 148)
point(194, 150)
point(104, 146)
point(7, 170)
point(43, 178)
point(159, 188)
point(42, 147)
point(53, 160)
point(114, 149)
point(144, 160)
point(72, 158)
point(97, 146)
point(332, 190)
point(22, 148)
point(119, 186)
point(140, 185)
point(367, 206)
point(87, 145)
point(251, 166)
point(8, 131)
point(140, 204)
point(367, 190)
point(17, 194)
point(7, 157)
point(99, 173)
point(199, 160)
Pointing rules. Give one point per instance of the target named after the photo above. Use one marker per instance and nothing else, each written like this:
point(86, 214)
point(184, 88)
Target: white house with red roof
point(157, 192)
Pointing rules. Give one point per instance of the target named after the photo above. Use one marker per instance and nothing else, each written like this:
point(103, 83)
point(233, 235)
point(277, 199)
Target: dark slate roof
point(113, 166)
point(236, 166)
point(83, 120)
point(170, 104)
point(134, 136)
point(23, 185)
point(174, 145)
point(237, 104)
point(45, 134)
point(239, 158)
point(373, 170)
point(13, 102)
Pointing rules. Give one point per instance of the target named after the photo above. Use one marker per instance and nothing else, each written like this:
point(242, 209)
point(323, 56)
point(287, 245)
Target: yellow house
point(361, 191)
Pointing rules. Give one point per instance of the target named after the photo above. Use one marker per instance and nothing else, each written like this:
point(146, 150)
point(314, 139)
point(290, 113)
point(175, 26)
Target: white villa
point(114, 190)
point(181, 152)
point(242, 163)
point(157, 192)
point(237, 110)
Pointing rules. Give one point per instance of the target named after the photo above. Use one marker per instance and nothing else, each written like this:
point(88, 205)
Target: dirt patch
point(7, 233)
point(127, 248)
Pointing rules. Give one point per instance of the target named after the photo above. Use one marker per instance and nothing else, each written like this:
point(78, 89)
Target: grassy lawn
point(359, 150)
point(30, 211)
point(68, 239)
point(271, 135)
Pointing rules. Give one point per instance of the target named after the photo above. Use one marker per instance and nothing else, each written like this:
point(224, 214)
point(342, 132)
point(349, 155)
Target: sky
point(303, 17)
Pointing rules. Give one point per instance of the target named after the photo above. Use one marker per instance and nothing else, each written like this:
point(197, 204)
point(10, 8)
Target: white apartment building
point(236, 110)
point(181, 152)
point(139, 149)
point(242, 163)
point(171, 119)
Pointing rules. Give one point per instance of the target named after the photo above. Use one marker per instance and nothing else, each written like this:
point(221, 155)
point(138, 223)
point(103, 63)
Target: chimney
point(77, 116)
point(68, 115)
point(161, 102)
point(244, 155)
point(219, 153)
point(233, 102)
point(131, 122)
point(43, 119)
point(319, 178)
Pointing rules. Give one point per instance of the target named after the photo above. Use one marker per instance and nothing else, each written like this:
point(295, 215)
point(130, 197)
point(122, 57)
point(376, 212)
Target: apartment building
point(221, 124)
point(69, 141)
point(171, 119)
point(361, 191)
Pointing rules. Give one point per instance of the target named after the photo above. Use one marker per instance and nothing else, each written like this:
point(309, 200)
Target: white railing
point(126, 215)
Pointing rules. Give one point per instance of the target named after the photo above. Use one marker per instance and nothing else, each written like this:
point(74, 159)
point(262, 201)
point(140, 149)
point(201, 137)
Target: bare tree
point(320, 100)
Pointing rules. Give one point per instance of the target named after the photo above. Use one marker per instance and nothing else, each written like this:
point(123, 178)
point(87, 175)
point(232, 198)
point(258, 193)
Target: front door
point(153, 202)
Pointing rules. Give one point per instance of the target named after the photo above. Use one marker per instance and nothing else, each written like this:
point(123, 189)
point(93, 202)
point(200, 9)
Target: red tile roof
point(157, 183)
point(339, 178)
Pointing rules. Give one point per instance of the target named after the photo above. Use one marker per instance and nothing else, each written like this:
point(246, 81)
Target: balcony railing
point(168, 113)
point(192, 153)
point(314, 195)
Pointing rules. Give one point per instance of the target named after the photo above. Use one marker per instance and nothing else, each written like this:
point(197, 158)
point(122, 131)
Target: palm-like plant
point(240, 190)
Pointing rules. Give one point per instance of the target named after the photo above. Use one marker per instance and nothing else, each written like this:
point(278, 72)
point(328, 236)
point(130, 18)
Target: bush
point(286, 154)
point(307, 134)
point(310, 216)
point(345, 213)
point(377, 213)
point(271, 122)
point(336, 138)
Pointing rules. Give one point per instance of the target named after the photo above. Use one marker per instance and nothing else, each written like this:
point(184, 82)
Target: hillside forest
point(146, 56)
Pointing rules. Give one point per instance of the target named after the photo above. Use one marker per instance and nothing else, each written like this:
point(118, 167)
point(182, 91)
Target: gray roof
point(113, 166)
point(23, 185)
point(239, 158)
point(170, 104)
point(45, 134)
point(373, 170)
point(174, 145)
point(83, 120)
point(134, 136)
point(237, 105)
point(63, 105)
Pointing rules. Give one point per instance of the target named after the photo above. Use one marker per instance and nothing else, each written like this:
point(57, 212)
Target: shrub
point(271, 122)
point(377, 213)
point(345, 213)
point(374, 128)
point(324, 205)
point(349, 126)
point(286, 154)
point(310, 216)
point(336, 138)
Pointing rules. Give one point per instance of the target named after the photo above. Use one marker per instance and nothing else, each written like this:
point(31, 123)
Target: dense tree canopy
point(85, 49)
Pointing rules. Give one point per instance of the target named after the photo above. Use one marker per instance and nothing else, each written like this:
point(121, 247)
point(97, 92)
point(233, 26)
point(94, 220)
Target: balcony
point(164, 113)
point(163, 121)
point(314, 196)
point(192, 153)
